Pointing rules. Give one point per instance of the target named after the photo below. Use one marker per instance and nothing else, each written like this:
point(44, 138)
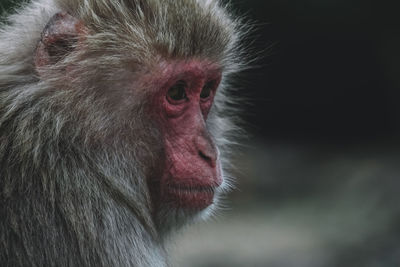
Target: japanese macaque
point(114, 127)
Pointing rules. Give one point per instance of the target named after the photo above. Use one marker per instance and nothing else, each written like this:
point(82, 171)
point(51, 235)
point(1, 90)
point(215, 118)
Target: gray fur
point(75, 151)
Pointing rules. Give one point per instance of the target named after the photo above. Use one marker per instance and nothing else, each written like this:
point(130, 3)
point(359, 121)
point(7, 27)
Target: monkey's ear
point(58, 39)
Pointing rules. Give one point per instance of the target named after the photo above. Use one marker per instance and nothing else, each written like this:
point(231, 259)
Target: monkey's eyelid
point(177, 93)
point(207, 89)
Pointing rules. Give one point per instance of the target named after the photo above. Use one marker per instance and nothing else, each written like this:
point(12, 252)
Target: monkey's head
point(165, 60)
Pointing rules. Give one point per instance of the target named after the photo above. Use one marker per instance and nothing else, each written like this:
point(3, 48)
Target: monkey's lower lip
point(194, 197)
point(194, 189)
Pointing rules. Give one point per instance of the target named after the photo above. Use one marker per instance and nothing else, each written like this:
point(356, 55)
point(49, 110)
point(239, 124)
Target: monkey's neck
point(73, 214)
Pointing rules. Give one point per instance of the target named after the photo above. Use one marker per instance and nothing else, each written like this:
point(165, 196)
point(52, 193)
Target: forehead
point(171, 28)
point(195, 67)
point(167, 71)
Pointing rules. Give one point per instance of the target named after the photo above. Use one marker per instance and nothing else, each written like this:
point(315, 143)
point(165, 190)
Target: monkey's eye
point(207, 90)
point(177, 92)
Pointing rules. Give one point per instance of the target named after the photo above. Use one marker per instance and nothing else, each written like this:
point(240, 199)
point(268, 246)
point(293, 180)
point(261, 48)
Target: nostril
point(204, 156)
point(206, 150)
point(211, 160)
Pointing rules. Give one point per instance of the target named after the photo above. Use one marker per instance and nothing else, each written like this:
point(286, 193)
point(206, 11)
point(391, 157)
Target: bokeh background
point(318, 177)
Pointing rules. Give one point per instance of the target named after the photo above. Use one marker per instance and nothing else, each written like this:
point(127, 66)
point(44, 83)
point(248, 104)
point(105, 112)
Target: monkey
point(116, 127)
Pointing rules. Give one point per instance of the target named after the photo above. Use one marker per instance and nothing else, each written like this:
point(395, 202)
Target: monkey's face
point(180, 94)
point(190, 171)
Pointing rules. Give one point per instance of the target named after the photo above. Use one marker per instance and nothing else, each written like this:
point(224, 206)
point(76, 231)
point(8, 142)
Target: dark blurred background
point(318, 178)
point(332, 73)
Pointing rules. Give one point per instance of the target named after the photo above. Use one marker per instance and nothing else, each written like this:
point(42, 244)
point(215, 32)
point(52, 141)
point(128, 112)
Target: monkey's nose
point(207, 150)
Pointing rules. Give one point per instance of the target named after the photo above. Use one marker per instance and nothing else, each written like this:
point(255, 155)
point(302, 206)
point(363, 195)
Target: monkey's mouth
point(190, 196)
point(192, 189)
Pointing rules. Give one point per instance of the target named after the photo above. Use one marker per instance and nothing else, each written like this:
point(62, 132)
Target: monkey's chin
point(192, 198)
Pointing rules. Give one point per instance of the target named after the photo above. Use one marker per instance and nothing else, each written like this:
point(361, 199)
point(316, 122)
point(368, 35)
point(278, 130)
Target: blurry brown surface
point(304, 207)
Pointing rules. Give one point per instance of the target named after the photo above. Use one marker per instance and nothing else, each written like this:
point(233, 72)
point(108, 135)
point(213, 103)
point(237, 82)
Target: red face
point(191, 171)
